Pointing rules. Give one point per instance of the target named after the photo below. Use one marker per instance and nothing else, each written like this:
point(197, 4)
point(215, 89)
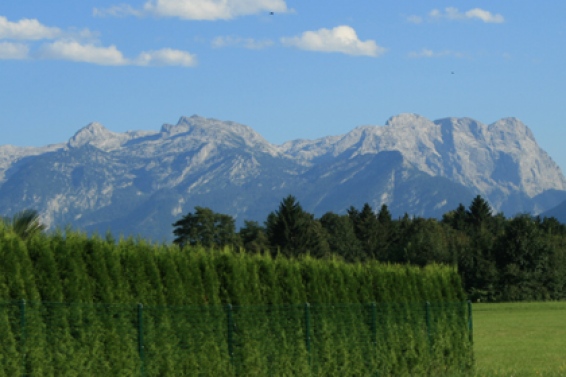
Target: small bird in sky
point(271, 13)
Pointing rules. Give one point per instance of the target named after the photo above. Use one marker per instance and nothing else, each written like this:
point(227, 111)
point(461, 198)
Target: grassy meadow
point(520, 339)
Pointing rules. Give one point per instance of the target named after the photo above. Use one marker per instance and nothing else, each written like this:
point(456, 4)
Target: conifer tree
point(295, 231)
point(479, 213)
point(457, 218)
point(386, 234)
point(366, 227)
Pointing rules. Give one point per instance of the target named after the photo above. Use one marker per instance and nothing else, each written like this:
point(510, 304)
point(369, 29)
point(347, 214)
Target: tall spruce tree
point(294, 231)
point(366, 227)
point(386, 234)
point(479, 213)
point(478, 269)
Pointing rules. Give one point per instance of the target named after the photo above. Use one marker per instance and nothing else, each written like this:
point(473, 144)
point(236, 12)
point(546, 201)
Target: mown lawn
point(520, 339)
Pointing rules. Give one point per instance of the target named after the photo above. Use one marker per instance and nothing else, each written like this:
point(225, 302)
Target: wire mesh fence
point(56, 339)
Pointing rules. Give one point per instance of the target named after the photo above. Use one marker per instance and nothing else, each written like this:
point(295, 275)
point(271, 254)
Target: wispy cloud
point(27, 29)
point(77, 46)
point(86, 53)
point(111, 56)
point(197, 9)
point(121, 10)
point(341, 39)
point(414, 19)
point(454, 14)
point(10, 50)
point(427, 53)
point(249, 43)
point(166, 56)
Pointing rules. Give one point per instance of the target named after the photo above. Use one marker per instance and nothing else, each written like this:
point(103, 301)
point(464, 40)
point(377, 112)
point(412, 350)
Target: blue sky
point(311, 69)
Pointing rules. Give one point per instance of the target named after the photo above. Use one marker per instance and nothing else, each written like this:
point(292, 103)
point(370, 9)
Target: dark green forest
point(498, 258)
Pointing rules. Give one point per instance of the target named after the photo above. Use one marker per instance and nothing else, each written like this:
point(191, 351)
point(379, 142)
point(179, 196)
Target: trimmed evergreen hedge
point(219, 312)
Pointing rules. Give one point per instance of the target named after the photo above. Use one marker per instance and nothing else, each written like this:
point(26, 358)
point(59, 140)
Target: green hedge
point(219, 312)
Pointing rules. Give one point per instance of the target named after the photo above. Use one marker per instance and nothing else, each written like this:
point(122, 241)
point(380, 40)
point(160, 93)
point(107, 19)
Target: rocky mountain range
point(140, 182)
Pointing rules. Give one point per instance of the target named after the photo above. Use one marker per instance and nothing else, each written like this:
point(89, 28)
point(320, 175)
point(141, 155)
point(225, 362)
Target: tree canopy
point(25, 223)
point(498, 258)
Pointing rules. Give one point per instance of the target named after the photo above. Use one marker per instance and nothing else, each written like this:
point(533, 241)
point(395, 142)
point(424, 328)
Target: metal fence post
point(470, 324)
point(308, 331)
point(230, 323)
point(428, 329)
point(374, 323)
point(140, 339)
point(23, 335)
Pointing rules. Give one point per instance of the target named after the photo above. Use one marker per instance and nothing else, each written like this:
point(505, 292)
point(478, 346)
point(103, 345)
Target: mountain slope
point(141, 182)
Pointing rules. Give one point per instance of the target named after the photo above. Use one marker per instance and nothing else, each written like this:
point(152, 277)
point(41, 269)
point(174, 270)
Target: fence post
point(230, 323)
point(374, 323)
point(428, 329)
point(140, 339)
point(23, 335)
point(308, 331)
point(470, 324)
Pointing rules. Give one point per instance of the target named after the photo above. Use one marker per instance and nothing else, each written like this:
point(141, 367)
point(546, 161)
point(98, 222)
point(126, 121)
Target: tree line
point(498, 258)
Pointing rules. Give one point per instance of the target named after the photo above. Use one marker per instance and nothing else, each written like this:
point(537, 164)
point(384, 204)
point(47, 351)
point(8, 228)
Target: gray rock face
point(140, 182)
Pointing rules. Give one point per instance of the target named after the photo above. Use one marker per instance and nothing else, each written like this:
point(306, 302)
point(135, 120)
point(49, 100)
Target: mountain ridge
point(102, 178)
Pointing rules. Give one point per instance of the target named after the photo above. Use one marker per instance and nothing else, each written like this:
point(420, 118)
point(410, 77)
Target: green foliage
point(327, 262)
point(498, 259)
point(25, 224)
point(183, 319)
point(205, 228)
point(253, 237)
point(341, 236)
point(293, 231)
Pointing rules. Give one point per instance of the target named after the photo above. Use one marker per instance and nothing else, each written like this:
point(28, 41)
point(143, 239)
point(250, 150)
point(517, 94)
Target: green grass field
point(520, 339)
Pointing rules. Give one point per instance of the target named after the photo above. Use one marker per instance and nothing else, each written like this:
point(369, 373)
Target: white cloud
point(166, 56)
point(29, 29)
point(452, 13)
point(427, 53)
point(13, 50)
point(197, 9)
point(485, 16)
point(121, 10)
point(111, 56)
point(339, 39)
point(248, 43)
point(78, 46)
point(86, 53)
point(415, 19)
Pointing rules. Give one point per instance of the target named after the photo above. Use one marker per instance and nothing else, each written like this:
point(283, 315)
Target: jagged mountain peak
point(215, 131)
point(90, 130)
point(413, 164)
point(466, 128)
point(97, 135)
point(404, 119)
point(511, 127)
point(407, 131)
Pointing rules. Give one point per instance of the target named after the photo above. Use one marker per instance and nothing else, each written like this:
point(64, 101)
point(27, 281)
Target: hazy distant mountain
point(559, 212)
point(141, 182)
